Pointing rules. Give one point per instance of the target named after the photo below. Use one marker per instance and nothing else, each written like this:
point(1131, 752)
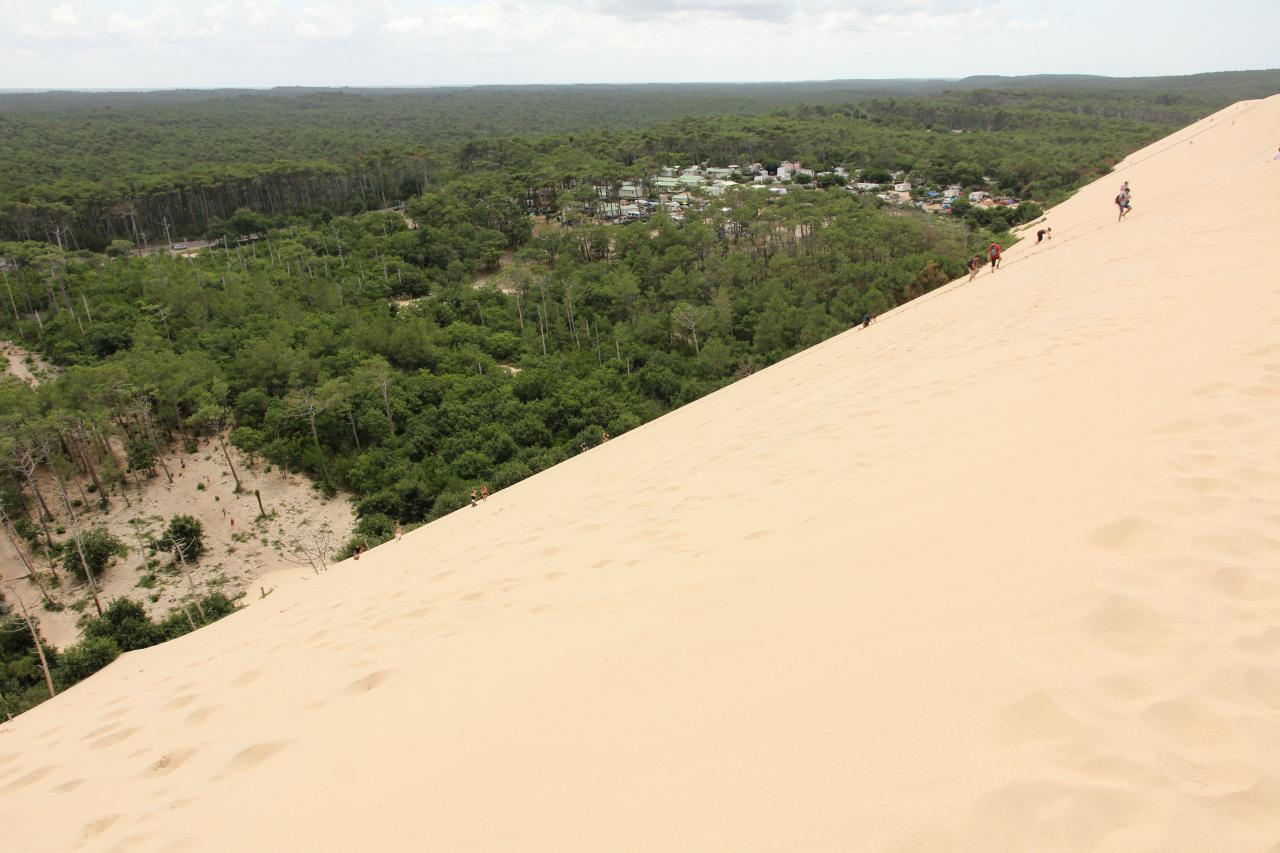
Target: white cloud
point(495, 19)
point(326, 21)
point(656, 10)
point(406, 24)
point(131, 43)
point(61, 21)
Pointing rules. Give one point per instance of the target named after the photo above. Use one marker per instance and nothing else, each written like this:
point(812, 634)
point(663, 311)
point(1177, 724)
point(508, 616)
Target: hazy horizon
point(410, 87)
point(145, 45)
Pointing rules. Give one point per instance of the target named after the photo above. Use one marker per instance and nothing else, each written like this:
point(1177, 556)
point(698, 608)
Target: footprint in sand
point(28, 778)
point(1038, 813)
point(1265, 644)
point(1245, 584)
point(102, 730)
point(252, 756)
point(1130, 533)
point(1191, 725)
point(369, 682)
point(180, 702)
point(95, 828)
point(1035, 718)
point(1127, 625)
point(246, 678)
point(171, 761)
point(201, 715)
point(113, 739)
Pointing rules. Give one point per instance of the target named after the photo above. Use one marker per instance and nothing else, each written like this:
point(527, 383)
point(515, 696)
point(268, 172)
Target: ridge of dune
point(999, 572)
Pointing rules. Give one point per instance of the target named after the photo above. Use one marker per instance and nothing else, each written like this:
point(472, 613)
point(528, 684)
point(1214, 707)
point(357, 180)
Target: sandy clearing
point(236, 555)
point(28, 366)
point(997, 573)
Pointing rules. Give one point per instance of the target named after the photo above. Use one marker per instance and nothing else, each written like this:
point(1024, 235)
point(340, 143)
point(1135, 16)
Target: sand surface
point(1001, 572)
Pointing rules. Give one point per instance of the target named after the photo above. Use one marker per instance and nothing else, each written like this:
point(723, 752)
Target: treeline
point(82, 170)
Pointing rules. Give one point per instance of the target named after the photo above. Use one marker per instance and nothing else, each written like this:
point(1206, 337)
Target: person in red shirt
point(993, 255)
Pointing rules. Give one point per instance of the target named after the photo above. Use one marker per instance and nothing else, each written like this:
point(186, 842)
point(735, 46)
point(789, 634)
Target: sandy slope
point(1001, 572)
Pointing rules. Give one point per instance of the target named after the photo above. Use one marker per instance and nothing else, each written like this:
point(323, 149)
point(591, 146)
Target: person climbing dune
point(1123, 201)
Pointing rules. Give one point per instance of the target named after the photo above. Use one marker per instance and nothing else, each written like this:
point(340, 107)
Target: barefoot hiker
point(975, 264)
point(399, 533)
point(1044, 234)
point(473, 497)
point(993, 255)
point(484, 492)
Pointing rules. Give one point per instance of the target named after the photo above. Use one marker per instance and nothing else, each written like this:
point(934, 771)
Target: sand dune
point(1001, 572)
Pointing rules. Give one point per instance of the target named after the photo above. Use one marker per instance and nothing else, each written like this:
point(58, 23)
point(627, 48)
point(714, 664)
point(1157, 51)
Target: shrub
point(140, 456)
point(188, 533)
point(99, 549)
point(126, 623)
point(79, 661)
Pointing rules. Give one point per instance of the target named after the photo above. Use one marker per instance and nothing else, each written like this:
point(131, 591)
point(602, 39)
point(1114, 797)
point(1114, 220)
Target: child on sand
point(399, 533)
point(975, 264)
point(484, 492)
point(473, 497)
point(993, 255)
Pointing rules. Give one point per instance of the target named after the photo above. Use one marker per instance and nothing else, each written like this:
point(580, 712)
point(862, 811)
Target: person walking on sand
point(355, 552)
point(484, 492)
point(1044, 234)
point(399, 533)
point(1123, 201)
point(993, 255)
point(473, 497)
point(866, 319)
point(975, 264)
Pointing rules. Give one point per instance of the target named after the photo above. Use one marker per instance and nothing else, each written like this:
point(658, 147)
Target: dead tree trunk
point(35, 637)
point(191, 584)
point(230, 465)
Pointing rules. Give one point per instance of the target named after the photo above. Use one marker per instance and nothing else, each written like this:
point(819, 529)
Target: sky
point(63, 44)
